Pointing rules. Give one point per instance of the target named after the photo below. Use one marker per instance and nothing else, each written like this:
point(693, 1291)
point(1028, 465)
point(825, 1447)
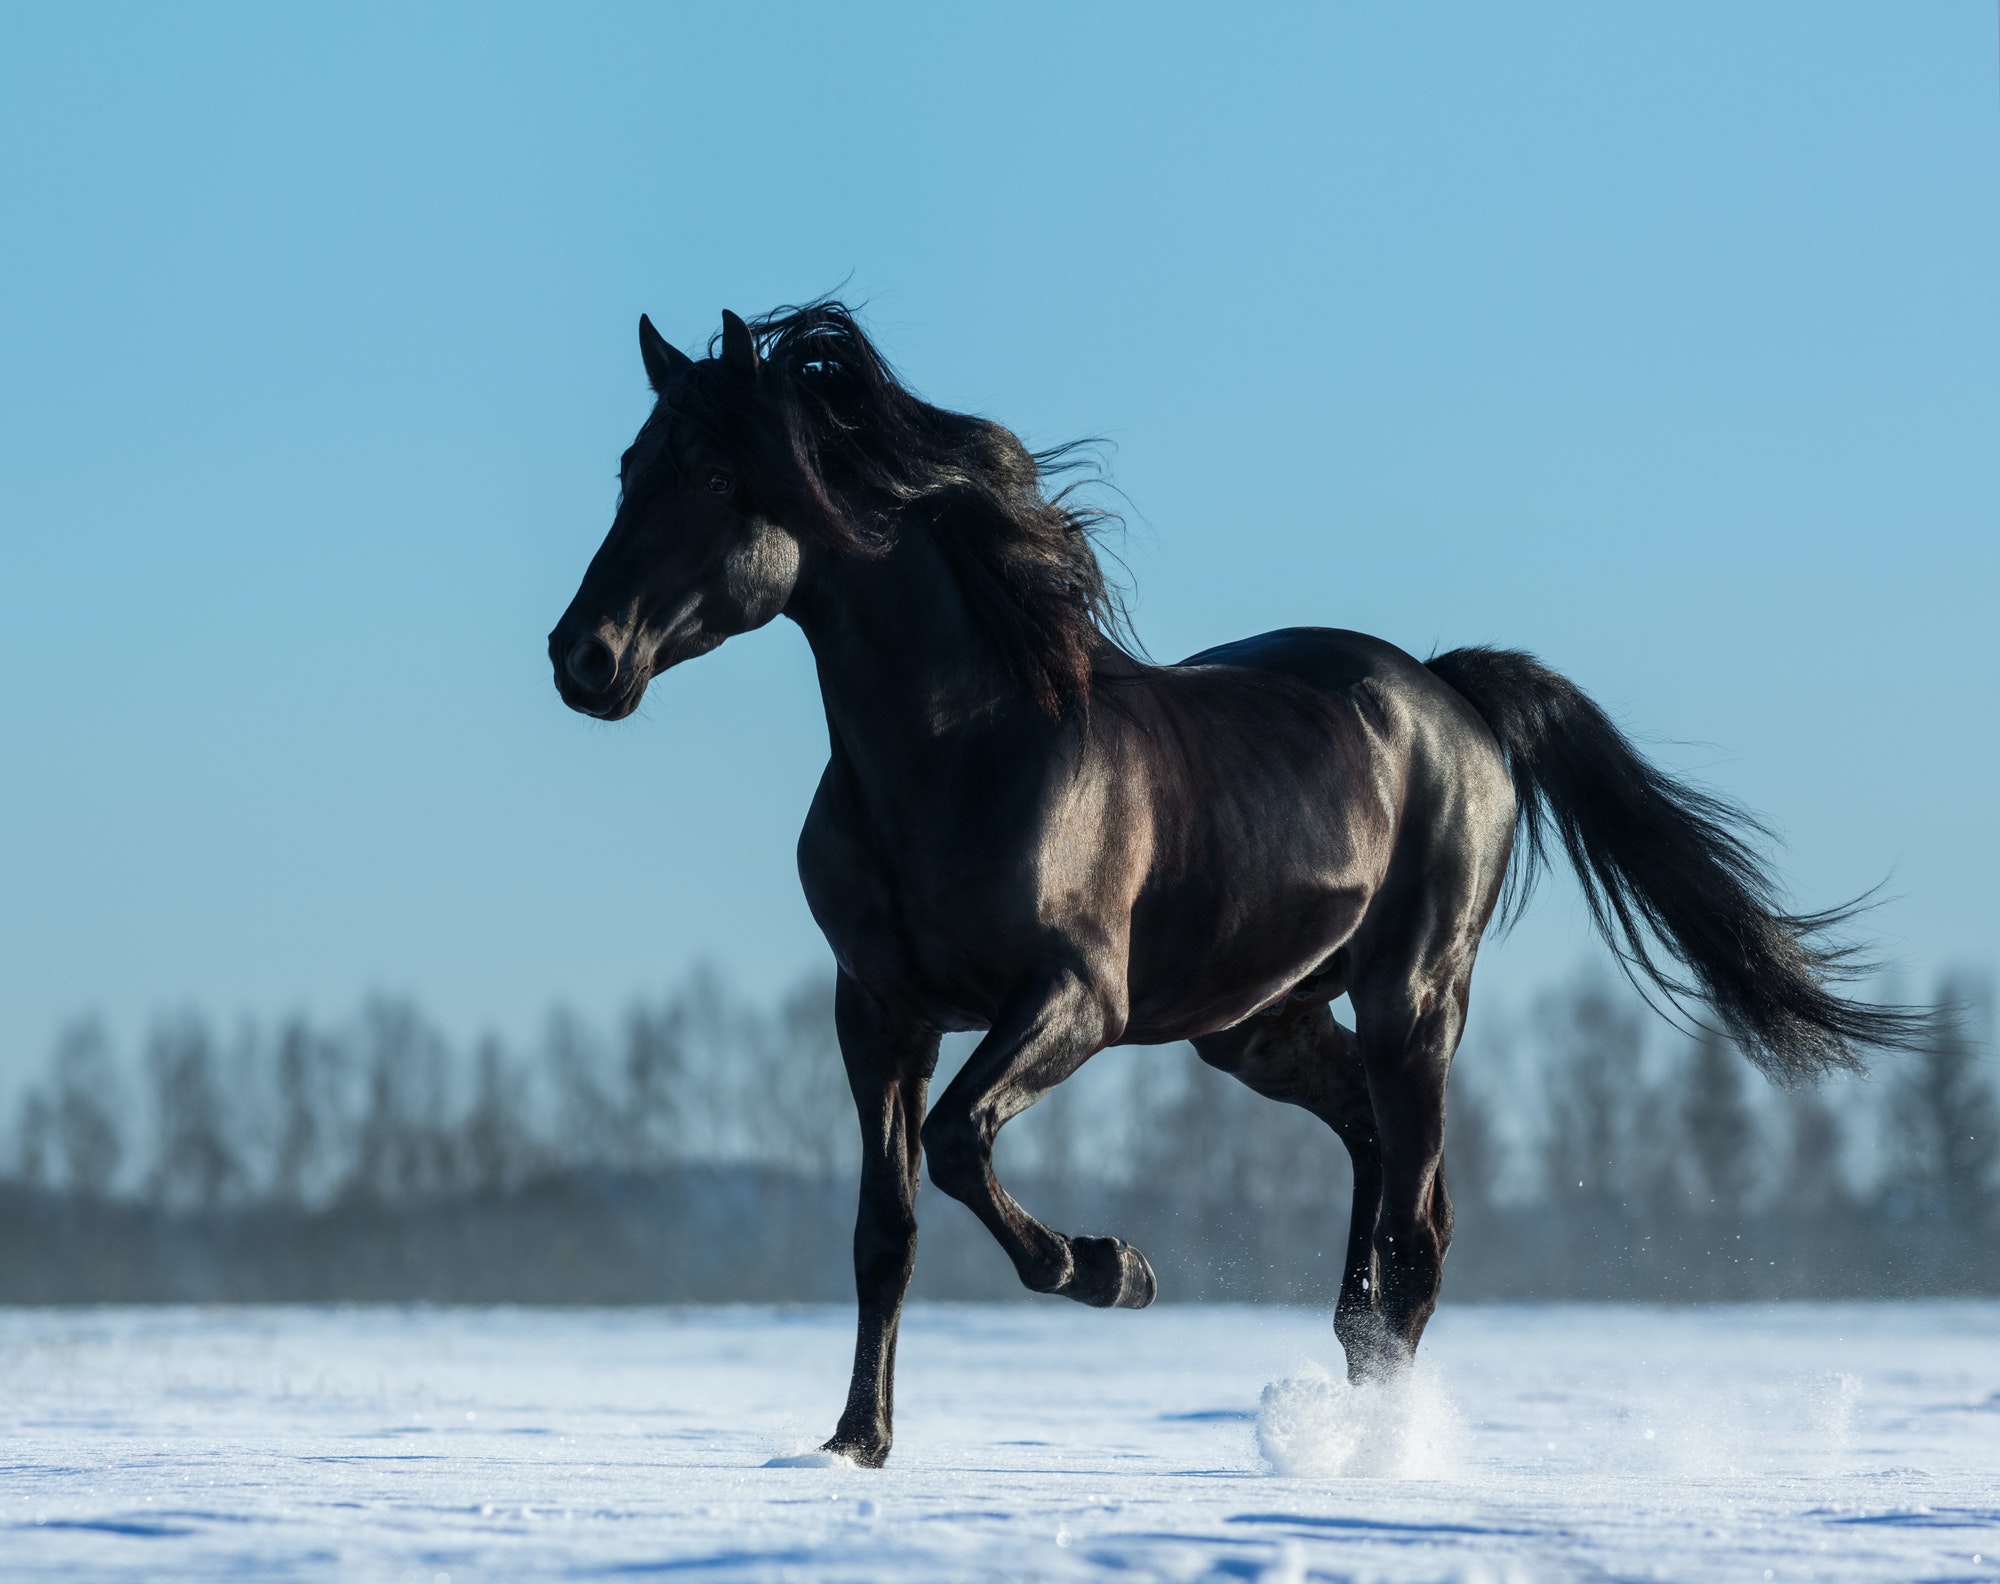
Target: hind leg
point(1305, 1058)
point(1407, 1032)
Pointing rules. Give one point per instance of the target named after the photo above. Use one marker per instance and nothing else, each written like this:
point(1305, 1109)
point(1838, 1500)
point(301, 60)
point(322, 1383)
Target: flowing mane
point(855, 458)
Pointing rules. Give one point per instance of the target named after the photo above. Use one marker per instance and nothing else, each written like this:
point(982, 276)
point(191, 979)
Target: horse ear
point(663, 359)
point(739, 346)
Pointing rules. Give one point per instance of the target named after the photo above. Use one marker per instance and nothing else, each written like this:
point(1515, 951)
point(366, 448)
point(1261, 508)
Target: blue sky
point(1662, 341)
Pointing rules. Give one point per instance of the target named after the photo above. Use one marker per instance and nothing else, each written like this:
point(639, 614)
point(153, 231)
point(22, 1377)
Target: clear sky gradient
point(1663, 341)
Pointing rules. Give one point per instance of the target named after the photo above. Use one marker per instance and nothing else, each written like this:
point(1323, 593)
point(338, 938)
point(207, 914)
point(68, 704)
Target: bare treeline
point(704, 1147)
point(385, 1109)
point(1663, 1167)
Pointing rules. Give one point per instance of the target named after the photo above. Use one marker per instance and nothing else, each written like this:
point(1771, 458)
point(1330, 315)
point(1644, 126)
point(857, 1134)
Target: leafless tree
point(404, 1144)
point(1595, 1092)
point(1471, 1145)
point(1058, 1135)
point(1944, 1128)
point(1719, 1130)
point(89, 1105)
point(1815, 1176)
point(589, 1121)
point(1202, 1134)
point(34, 1140)
point(656, 1080)
point(797, 1106)
point(196, 1162)
point(500, 1151)
point(309, 1148)
point(720, 1090)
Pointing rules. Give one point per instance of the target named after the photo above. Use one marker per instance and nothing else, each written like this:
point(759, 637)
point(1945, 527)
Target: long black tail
point(1661, 859)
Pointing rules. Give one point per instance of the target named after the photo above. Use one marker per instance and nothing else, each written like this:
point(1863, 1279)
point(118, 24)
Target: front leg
point(1047, 1030)
point(889, 1065)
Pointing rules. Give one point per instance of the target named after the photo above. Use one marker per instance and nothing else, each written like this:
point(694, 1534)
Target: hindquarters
point(1453, 844)
point(1316, 798)
point(1424, 777)
point(1407, 967)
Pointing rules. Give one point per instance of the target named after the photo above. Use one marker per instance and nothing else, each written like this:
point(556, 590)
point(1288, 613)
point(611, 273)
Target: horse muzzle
point(592, 678)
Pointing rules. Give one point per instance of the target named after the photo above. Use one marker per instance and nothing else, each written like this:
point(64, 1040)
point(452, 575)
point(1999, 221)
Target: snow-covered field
point(1034, 1442)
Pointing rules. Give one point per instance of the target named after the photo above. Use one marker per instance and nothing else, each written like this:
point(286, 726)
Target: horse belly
point(1202, 964)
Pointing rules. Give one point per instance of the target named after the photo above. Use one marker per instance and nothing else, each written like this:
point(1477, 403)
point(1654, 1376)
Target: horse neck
point(904, 663)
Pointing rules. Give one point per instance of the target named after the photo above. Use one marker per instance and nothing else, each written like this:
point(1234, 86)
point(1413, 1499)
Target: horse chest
point(929, 923)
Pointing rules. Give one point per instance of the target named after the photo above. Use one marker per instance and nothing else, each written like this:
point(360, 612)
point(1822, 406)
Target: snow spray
point(1317, 1425)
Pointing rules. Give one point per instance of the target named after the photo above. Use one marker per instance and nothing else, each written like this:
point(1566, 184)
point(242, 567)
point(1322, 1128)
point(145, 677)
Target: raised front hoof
point(864, 1452)
point(1109, 1274)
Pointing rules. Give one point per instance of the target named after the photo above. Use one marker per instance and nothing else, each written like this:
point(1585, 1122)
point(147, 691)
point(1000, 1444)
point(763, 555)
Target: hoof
point(862, 1454)
point(1374, 1352)
point(1109, 1274)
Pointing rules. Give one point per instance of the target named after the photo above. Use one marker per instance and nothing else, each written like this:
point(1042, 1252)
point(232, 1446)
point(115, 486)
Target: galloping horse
point(1025, 829)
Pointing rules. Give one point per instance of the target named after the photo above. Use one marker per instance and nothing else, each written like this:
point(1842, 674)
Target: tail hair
point(1664, 864)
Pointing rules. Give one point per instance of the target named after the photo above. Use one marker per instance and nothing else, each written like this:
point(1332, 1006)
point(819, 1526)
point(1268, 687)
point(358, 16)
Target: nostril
point(591, 664)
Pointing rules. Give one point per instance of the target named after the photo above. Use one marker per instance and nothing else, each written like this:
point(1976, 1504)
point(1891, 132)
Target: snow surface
point(1034, 1441)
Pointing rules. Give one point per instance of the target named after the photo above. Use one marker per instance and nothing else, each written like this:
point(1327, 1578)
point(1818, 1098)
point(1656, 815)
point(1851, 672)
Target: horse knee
point(957, 1155)
point(885, 1245)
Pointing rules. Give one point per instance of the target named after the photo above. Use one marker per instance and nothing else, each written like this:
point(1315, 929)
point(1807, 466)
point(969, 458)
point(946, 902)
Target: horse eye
point(716, 483)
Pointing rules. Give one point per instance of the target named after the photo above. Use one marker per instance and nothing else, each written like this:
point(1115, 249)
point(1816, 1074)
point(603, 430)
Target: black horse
point(1024, 829)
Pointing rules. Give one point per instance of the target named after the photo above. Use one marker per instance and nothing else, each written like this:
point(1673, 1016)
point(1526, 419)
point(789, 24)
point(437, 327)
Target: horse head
point(697, 552)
